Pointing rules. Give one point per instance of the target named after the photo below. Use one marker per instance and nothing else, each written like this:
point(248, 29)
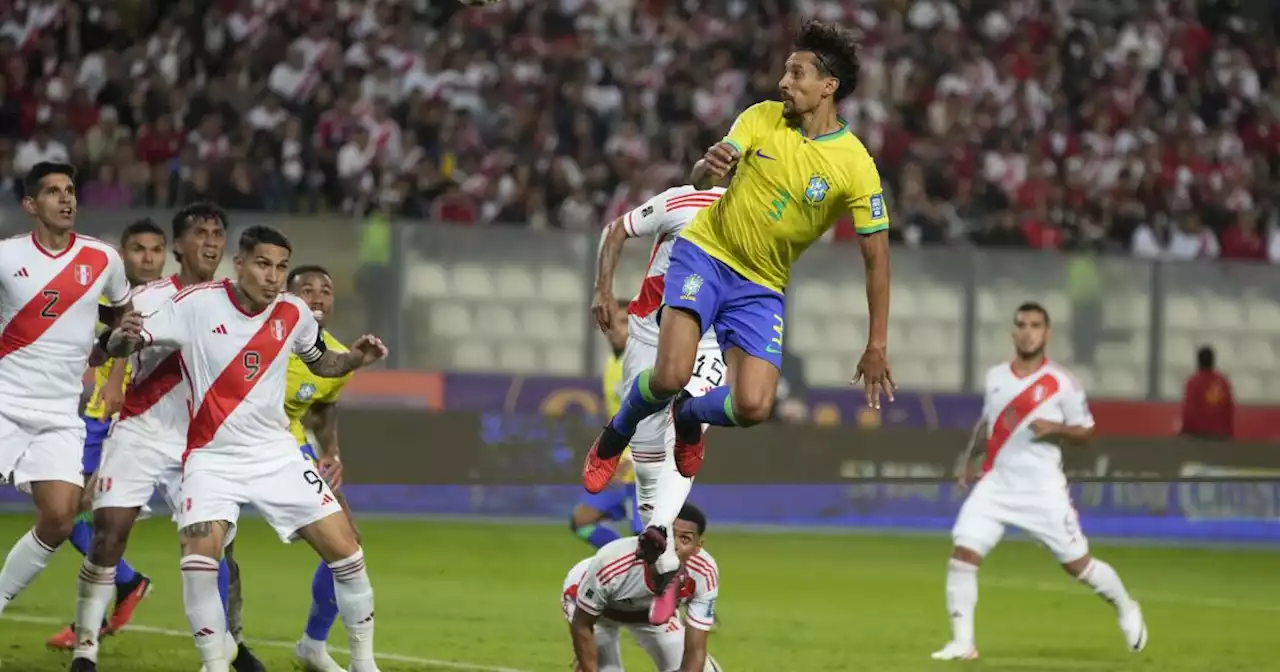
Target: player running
point(143, 247)
point(51, 281)
point(314, 399)
point(1031, 409)
point(618, 501)
point(611, 591)
point(662, 490)
point(239, 450)
point(799, 169)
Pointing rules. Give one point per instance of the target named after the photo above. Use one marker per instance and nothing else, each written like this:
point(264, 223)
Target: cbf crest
point(305, 392)
point(277, 329)
point(84, 274)
point(816, 191)
point(689, 290)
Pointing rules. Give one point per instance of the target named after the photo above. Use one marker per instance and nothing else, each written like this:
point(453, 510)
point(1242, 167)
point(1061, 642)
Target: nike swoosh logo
point(762, 155)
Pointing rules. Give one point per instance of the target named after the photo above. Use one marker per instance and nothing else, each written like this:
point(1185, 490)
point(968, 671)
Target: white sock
point(94, 590)
point(670, 492)
point(25, 562)
point(1104, 581)
point(204, 611)
point(354, 594)
point(962, 599)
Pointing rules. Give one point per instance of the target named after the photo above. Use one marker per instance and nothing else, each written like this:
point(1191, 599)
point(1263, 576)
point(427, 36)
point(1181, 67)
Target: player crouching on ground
point(233, 339)
point(613, 590)
point(1031, 408)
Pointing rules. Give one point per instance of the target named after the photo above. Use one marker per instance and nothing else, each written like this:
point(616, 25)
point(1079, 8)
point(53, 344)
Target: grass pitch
point(486, 596)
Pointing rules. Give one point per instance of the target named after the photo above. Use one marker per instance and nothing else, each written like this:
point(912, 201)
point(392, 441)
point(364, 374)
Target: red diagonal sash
point(53, 300)
point(1017, 410)
point(240, 375)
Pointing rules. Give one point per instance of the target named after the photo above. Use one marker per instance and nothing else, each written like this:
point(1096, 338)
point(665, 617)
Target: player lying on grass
point(661, 489)
point(313, 399)
point(1032, 409)
point(616, 502)
point(51, 284)
point(799, 170)
point(611, 591)
point(233, 338)
point(142, 246)
point(144, 452)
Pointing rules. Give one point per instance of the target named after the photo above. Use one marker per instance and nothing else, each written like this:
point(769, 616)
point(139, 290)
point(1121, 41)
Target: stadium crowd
point(1152, 127)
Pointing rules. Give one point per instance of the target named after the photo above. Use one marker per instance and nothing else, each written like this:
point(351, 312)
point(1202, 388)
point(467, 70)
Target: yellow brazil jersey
point(613, 400)
point(95, 408)
point(787, 192)
point(305, 388)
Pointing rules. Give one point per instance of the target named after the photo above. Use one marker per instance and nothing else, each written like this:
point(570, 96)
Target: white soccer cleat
point(956, 651)
point(314, 656)
point(1134, 627)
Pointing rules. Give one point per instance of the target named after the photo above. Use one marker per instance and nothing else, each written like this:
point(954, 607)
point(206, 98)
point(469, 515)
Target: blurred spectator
point(1047, 124)
point(41, 147)
point(1208, 408)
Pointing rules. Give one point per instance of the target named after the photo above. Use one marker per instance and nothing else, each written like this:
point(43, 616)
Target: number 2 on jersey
point(252, 362)
point(51, 297)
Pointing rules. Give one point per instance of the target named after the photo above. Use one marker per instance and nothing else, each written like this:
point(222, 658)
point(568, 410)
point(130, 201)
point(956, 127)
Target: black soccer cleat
point(245, 660)
point(652, 544)
point(83, 665)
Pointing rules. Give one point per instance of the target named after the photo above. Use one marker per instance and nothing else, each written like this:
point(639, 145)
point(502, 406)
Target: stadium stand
point(1112, 130)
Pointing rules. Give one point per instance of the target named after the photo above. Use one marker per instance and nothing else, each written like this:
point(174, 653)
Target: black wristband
point(104, 339)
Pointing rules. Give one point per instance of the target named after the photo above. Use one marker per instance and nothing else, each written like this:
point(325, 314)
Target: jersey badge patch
point(305, 392)
point(817, 190)
point(277, 329)
point(648, 210)
point(877, 206)
point(84, 274)
point(689, 291)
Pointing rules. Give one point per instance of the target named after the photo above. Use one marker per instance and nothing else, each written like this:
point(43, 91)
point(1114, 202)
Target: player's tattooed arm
point(610, 250)
point(330, 364)
point(967, 461)
point(582, 629)
point(695, 650)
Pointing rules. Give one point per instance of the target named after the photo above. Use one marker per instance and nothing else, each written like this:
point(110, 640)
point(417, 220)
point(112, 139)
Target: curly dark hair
point(836, 50)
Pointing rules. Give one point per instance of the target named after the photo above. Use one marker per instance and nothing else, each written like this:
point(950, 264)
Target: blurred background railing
point(514, 300)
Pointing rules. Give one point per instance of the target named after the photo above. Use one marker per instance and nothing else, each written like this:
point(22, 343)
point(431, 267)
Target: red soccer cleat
point(663, 607)
point(127, 599)
point(65, 639)
point(598, 471)
point(690, 444)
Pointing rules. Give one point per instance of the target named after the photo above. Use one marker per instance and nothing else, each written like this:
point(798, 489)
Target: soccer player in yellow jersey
point(142, 247)
point(311, 401)
point(618, 500)
point(799, 170)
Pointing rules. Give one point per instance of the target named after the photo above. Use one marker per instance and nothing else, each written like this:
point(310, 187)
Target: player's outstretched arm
point(365, 351)
point(610, 250)
point(873, 368)
point(695, 650)
point(582, 629)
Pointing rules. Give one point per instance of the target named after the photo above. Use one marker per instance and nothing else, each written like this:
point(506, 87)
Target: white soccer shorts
point(1046, 514)
point(281, 483)
point(664, 644)
point(38, 445)
point(134, 465)
point(655, 434)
